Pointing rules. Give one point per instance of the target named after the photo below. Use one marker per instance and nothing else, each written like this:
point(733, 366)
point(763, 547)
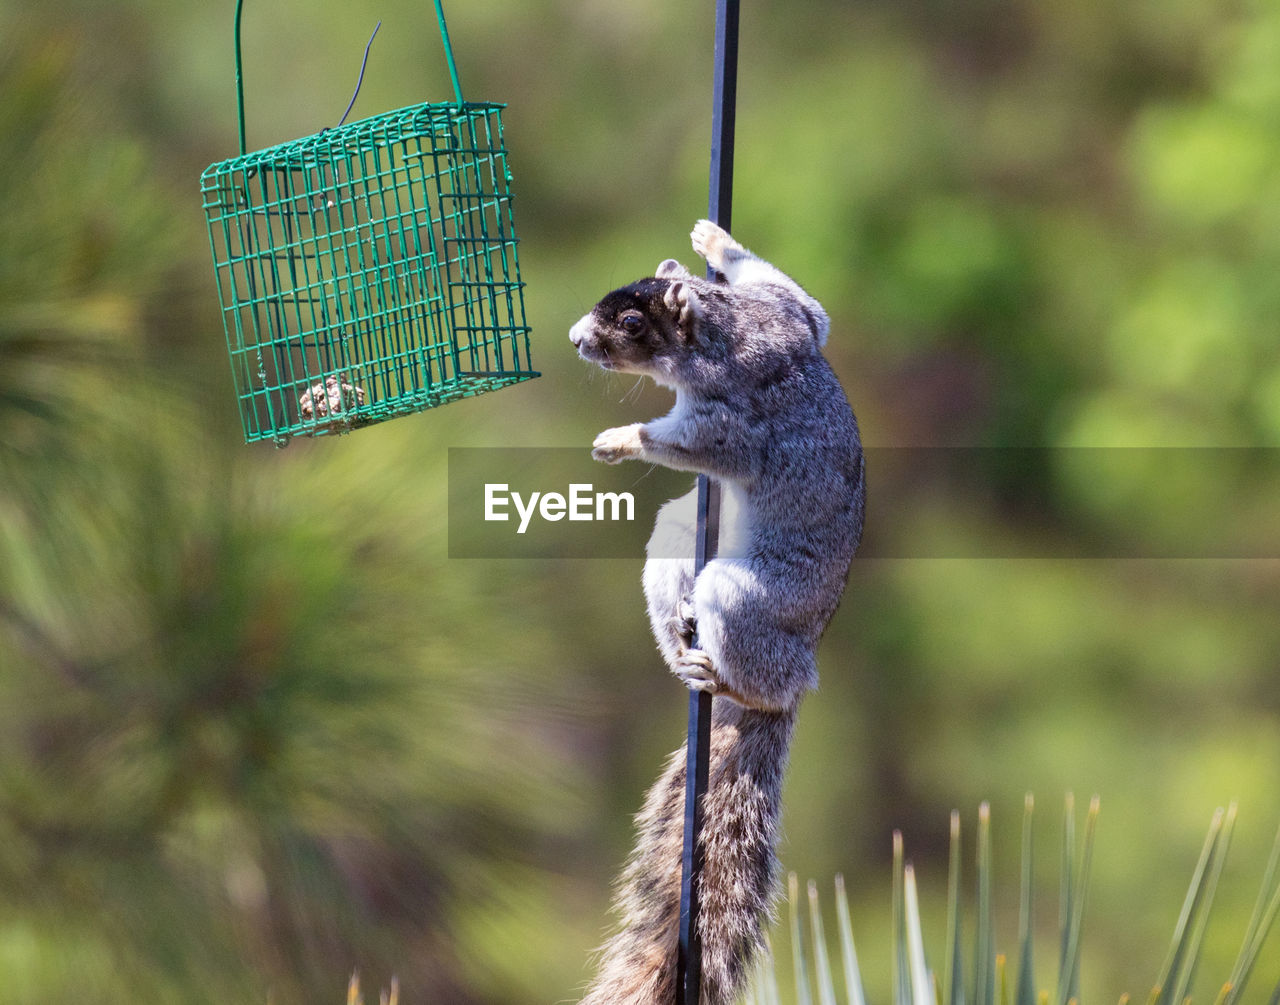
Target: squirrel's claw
point(710, 241)
point(686, 621)
point(693, 666)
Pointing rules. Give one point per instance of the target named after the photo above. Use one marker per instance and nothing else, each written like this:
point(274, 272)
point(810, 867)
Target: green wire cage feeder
point(368, 271)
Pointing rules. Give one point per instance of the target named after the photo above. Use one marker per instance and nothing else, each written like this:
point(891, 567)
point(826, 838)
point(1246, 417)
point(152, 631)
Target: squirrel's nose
point(579, 331)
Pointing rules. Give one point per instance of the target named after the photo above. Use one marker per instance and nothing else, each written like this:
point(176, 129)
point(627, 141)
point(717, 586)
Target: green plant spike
point(798, 962)
point(901, 971)
point(1026, 991)
point(1065, 894)
point(766, 976)
point(763, 988)
point(1076, 895)
point(1182, 990)
point(1167, 988)
point(821, 962)
point(1264, 916)
point(984, 989)
point(921, 984)
point(953, 972)
point(370, 270)
point(852, 974)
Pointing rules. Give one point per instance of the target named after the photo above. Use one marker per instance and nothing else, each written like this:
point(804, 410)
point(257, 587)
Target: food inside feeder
point(336, 395)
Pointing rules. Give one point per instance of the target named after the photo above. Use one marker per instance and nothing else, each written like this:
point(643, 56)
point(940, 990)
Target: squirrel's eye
point(631, 322)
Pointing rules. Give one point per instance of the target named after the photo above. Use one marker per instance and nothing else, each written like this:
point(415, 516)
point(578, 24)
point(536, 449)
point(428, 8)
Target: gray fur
point(758, 408)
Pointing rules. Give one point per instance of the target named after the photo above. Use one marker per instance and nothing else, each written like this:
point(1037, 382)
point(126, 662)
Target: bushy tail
point(740, 828)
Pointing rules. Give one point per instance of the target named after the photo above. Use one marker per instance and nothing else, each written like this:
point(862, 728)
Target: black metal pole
point(723, 110)
point(719, 208)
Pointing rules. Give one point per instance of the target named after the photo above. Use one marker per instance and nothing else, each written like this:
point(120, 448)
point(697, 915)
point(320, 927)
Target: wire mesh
point(368, 271)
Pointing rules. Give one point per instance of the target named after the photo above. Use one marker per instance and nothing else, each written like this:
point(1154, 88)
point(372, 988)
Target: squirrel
point(759, 409)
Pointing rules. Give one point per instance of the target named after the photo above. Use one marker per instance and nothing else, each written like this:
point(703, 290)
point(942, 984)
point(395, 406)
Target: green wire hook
point(444, 37)
point(448, 53)
point(240, 78)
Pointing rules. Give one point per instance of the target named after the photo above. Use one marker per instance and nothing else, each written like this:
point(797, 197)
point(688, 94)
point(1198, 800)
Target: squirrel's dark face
point(632, 330)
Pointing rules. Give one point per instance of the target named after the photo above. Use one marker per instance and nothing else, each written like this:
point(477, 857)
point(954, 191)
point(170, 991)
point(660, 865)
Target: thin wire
point(240, 78)
point(360, 80)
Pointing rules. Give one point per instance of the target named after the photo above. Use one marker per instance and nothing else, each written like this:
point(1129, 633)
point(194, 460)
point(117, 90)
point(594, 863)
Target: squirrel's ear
point(683, 303)
point(669, 268)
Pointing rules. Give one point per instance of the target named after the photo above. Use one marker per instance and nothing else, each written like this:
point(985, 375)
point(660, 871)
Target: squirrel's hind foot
point(686, 622)
point(693, 666)
point(695, 669)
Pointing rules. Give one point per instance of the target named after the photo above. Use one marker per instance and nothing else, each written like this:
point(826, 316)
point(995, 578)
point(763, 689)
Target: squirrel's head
point(643, 328)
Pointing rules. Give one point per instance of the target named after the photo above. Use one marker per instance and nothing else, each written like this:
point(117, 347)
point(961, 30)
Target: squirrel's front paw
point(711, 241)
point(617, 444)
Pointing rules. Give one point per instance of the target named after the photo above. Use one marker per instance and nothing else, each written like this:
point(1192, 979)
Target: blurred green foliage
point(972, 969)
point(258, 731)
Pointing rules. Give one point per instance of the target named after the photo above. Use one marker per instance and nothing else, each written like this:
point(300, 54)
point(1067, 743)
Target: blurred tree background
point(257, 731)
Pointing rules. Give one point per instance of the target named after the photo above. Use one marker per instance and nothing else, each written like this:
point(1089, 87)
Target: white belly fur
point(735, 523)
